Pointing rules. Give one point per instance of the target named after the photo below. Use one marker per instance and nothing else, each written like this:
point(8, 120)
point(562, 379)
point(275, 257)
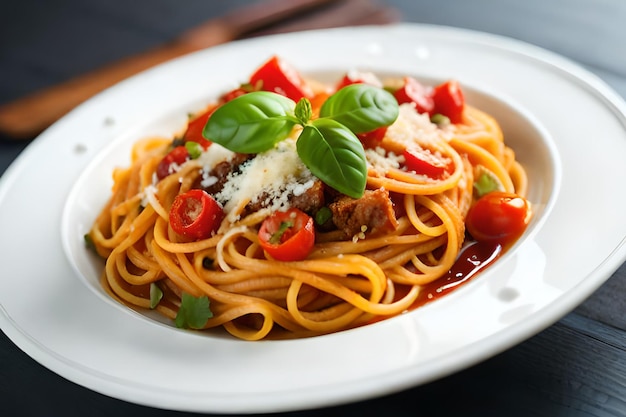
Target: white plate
point(576, 242)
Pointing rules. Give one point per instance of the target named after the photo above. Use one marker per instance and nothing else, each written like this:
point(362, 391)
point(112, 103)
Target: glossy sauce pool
point(471, 261)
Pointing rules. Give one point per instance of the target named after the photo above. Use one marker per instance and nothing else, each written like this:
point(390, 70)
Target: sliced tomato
point(195, 214)
point(196, 126)
point(176, 157)
point(373, 138)
point(412, 91)
point(448, 100)
point(498, 217)
point(280, 77)
point(232, 94)
point(424, 162)
point(287, 235)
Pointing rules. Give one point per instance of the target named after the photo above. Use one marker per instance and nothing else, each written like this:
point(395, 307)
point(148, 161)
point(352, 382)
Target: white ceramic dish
point(565, 125)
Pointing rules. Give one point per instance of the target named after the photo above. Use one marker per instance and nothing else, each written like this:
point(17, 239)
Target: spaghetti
point(371, 255)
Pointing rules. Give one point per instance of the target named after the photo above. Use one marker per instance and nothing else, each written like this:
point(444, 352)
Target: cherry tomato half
point(287, 235)
point(424, 162)
point(449, 100)
point(498, 217)
point(177, 156)
point(412, 91)
point(278, 76)
point(196, 126)
point(372, 139)
point(195, 214)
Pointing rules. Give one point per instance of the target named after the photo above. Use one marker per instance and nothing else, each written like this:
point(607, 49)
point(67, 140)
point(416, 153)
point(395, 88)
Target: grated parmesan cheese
point(209, 159)
point(411, 129)
point(270, 178)
point(382, 161)
point(215, 154)
point(173, 168)
point(149, 195)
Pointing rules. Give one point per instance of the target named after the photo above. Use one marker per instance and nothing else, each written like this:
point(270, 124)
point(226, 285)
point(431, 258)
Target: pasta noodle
point(346, 280)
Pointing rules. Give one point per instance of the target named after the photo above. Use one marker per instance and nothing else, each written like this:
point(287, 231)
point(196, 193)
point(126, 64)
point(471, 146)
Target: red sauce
point(473, 258)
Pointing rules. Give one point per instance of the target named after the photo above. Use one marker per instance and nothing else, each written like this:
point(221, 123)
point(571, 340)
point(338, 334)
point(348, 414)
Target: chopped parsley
point(194, 312)
point(486, 183)
point(277, 236)
point(194, 149)
point(155, 295)
point(89, 244)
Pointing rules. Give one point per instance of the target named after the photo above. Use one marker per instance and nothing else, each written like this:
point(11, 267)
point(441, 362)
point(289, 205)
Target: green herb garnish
point(303, 111)
point(252, 123)
point(194, 149)
point(334, 155)
point(277, 236)
point(439, 119)
point(155, 295)
point(361, 108)
point(323, 215)
point(486, 183)
point(193, 312)
point(89, 243)
point(328, 146)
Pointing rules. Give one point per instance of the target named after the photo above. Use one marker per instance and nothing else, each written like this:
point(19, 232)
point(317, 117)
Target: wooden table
point(576, 367)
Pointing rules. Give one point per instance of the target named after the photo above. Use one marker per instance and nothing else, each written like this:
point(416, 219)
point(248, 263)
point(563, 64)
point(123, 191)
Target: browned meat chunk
point(311, 200)
point(222, 170)
point(372, 213)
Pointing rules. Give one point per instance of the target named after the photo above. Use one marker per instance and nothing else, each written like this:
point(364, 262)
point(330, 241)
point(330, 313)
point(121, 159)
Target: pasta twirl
point(372, 255)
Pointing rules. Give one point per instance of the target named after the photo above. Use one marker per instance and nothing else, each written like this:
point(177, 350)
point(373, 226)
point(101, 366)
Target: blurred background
point(44, 42)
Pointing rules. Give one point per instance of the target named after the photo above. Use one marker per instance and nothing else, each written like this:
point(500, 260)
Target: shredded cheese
point(209, 159)
point(382, 161)
point(270, 178)
point(150, 197)
point(410, 130)
point(411, 127)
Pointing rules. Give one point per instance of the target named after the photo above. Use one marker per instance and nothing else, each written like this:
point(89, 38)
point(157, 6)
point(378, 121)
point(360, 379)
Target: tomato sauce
point(473, 258)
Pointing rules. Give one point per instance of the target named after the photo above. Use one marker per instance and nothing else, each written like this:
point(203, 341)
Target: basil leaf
point(303, 111)
point(334, 155)
point(361, 107)
point(193, 312)
point(251, 123)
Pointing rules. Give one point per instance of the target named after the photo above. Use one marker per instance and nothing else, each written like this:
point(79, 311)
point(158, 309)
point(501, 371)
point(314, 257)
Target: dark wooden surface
point(576, 367)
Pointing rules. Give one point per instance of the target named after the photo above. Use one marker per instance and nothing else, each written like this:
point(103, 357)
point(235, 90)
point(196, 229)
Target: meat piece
point(311, 200)
point(222, 169)
point(372, 213)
